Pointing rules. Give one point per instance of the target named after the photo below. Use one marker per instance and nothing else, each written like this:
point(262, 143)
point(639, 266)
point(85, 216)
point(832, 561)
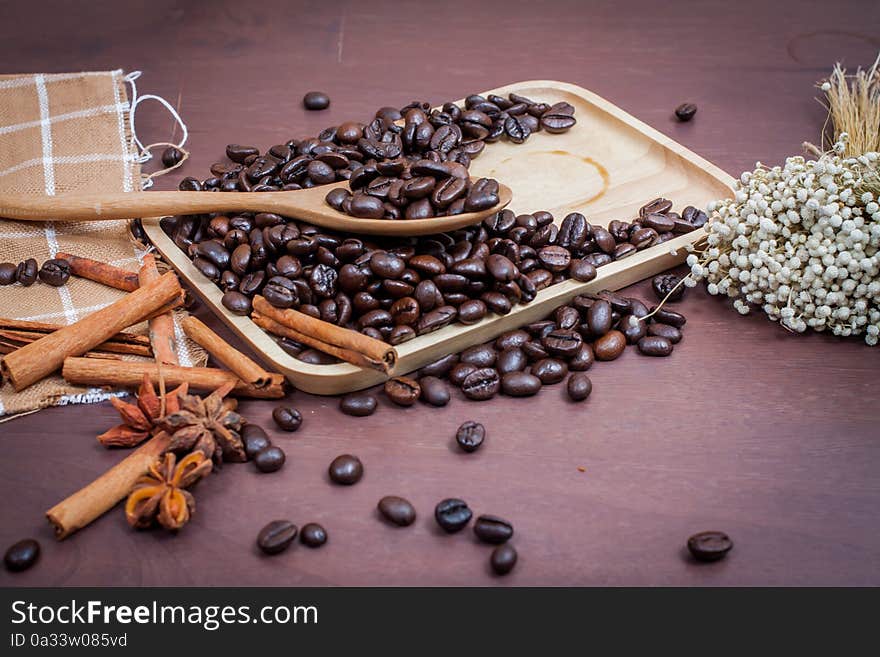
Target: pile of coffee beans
point(396, 289)
point(54, 272)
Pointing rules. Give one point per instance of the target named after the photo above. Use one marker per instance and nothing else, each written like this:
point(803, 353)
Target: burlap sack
point(64, 133)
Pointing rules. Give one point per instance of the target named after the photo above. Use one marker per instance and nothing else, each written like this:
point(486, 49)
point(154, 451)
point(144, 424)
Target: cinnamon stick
point(101, 495)
point(161, 326)
point(125, 374)
point(242, 366)
point(7, 324)
point(350, 346)
point(21, 338)
point(101, 272)
point(40, 358)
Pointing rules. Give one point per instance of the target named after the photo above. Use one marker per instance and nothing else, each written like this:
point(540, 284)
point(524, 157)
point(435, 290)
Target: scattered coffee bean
point(255, 440)
point(403, 390)
point(503, 559)
point(346, 470)
point(520, 384)
point(316, 100)
point(270, 459)
point(434, 391)
point(277, 536)
point(55, 272)
point(313, 535)
point(609, 346)
point(665, 331)
point(26, 272)
point(668, 317)
point(709, 546)
point(654, 345)
point(492, 529)
point(470, 436)
point(358, 404)
point(664, 284)
point(685, 111)
point(452, 514)
point(397, 510)
point(171, 156)
point(22, 555)
point(579, 386)
point(287, 418)
point(7, 273)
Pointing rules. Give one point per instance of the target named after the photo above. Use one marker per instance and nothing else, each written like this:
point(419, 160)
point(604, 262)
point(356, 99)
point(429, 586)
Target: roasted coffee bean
point(549, 370)
point(471, 312)
point(659, 222)
point(316, 100)
point(554, 258)
point(685, 111)
point(512, 359)
point(460, 372)
point(313, 535)
point(22, 555)
point(346, 470)
point(481, 355)
point(503, 559)
point(452, 514)
point(470, 436)
point(624, 250)
point(481, 384)
point(582, 359)
point(520, 384)
point(579, 386)
point(358, 404)
point(277, 536)
point(436, 319)
point(633, 328)
point(270, 459)
point(709, 546)
point(440, 367)
point(387, 265)
point(654, 345)
point(287, 418)
point(55, 272)
point(402, 390)
point(558, 119)
point(668, 284)
point(609, 346)
point(566, 317)
point(659, 205)
point(434, 391)
point(235, 302)
point(171, 156)
point(492, 529)
point(582, 270)
point(665, 331)
point(255, 440)
point(562, 343)
point(668, 317)
point(496, 302)
point(599, 317)
point(238, 153)
point(397, 510)
point(7, 273)
point(642, 238)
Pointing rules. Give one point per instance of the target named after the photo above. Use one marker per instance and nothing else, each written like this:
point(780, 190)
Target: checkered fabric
point(64, 133)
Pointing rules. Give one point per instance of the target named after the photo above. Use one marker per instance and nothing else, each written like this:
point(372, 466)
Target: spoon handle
point(126, 205)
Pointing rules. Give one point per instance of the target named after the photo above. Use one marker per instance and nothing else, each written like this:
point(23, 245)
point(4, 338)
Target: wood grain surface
point(770, 437)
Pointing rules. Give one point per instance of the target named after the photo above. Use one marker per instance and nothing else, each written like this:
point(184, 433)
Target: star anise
point(210, 426)
point(139, 418)
point(160, 496)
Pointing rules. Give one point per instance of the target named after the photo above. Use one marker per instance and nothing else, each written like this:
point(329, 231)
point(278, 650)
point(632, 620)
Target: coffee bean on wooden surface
point(316, 100)
point(397, 510)
point(270, 459)
point(654, 345)
point(452, 514)
point(434, 391)
point(287, 418)
point(579, 386)
point(346, 469)
point(520, 384)
point(171, 156)
point(358, 404)
point(665, 331)
point(609, 346)
point(277, 536)
point(55, 272)
point(7, 273)
point(668, 284)
point(492, 529)
point(668, 317)
point(481, 384)
point(402, 390)
point(255, 440)
point(709, 545)
point(685, 111)
point(313, 535)
point(503, 559)
point(470, 436)
point(549, 370)
point(22, 555)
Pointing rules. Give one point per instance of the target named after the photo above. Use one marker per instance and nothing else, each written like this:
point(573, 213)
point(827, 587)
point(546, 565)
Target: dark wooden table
point(769, 436)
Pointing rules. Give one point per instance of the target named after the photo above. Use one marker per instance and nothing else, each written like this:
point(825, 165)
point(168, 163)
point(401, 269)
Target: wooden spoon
point(306, 204)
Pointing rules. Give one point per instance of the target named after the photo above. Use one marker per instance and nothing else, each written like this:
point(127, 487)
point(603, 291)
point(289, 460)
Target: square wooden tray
point(606, 167)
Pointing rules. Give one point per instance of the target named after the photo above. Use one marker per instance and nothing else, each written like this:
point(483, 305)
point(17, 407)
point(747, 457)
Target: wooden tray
point(606, 167)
